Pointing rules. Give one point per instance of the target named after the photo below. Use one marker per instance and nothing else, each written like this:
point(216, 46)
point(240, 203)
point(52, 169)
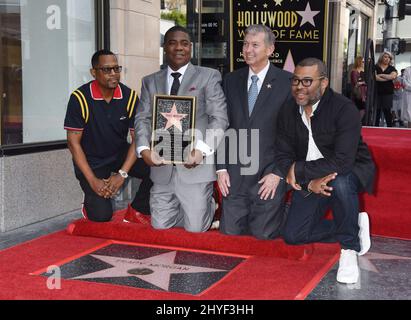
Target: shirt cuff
point(204, 148)
point(140, 150)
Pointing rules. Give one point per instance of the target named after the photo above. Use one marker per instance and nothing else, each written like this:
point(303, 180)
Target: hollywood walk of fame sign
point(153, 268)
point(300, 28)
point(173, 127)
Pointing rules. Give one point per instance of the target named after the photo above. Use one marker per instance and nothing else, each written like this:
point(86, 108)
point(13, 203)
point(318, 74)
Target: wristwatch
point(123, 174)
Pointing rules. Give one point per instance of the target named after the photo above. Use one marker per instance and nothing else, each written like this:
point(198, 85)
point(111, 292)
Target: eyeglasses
point(306, 82)
point(108, 70)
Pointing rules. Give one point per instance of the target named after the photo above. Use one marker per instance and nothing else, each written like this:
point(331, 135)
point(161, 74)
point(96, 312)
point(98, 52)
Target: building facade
point(46, 46)
point(403, 31)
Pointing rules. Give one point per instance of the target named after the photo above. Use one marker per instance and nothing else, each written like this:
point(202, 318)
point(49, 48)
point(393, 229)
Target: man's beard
point(315, 99)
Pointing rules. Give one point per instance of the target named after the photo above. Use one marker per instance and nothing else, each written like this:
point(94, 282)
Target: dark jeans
point(306, 223)
point(99, 209)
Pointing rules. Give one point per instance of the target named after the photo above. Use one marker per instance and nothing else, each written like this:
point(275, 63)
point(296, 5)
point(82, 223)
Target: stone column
point(135, 37)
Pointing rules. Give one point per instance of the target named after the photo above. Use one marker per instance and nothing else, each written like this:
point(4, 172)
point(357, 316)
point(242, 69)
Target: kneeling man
point(321, 152)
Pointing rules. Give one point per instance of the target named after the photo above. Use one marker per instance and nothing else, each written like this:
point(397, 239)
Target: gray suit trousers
point(178, 204)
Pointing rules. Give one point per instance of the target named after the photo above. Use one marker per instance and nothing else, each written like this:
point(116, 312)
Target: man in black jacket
point(321, 152)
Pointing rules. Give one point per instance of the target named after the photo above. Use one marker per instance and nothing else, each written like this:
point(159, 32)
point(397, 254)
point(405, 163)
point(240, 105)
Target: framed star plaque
point(173, 127)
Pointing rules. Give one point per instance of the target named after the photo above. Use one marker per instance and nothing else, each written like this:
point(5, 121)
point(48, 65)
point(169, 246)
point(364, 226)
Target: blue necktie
point(252, 94)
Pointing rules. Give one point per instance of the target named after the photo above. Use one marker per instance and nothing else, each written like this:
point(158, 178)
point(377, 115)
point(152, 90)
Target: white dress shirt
point(313, 152)
point(261, 77)
point(170, 78)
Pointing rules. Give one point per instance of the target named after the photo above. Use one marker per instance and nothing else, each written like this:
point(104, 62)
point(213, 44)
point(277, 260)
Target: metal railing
point(369, 70)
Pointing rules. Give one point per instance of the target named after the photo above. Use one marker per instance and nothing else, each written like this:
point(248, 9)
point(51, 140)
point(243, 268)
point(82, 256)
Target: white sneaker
point(348, 271)
point(215, 225)
point(364, 233)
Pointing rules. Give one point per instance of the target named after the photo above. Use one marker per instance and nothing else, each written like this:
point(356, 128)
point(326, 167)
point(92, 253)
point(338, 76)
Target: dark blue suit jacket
point(275, 91)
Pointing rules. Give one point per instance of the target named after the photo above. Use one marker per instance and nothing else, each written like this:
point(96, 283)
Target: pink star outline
point(174, 118)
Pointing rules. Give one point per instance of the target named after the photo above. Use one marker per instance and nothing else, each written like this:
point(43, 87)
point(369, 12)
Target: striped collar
point(97, 95)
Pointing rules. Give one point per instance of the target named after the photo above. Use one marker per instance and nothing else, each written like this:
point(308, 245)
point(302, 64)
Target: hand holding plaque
point(173, 127)
point(194, 159)
point(151, 158)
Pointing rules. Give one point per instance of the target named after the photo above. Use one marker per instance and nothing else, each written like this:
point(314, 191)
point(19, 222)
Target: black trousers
point(244, 213)
point(384, 105)
point(99, 209)
point(305, 223)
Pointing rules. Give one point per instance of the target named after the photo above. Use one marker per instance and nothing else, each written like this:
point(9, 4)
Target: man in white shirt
point(182, 194)
point(320, 150)
point(406, 97)
point(252, 188)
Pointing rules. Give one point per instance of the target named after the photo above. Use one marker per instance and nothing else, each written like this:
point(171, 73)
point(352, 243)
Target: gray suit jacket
point(203, 83)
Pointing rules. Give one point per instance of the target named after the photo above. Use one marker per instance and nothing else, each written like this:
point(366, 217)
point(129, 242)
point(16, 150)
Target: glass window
point(363, 34)
point(208, 24)
point(45, 49)
point(355, 38)
point(173, 12)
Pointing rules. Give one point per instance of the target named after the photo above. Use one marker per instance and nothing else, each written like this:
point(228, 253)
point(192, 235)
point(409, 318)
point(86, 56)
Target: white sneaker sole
point(364, 234)
point(348, 280)
point(83, 209)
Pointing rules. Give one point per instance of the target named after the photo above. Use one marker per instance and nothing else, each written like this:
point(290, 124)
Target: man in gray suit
point(253, 202)
point(182, 194)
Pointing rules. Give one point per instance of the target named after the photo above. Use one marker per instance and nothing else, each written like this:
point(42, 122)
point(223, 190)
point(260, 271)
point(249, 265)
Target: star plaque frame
point(173, 130)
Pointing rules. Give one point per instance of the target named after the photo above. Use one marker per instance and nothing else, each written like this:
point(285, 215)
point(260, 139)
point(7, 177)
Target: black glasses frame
point(306, 82)
point(108, 70)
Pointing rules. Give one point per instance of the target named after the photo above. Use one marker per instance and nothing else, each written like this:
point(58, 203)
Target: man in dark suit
point(253, 191)
point(320, 150)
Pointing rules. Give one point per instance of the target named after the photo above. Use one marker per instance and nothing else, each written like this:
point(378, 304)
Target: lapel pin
point(269, 86)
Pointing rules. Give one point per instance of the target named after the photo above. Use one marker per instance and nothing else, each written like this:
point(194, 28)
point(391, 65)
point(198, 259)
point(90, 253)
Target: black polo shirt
point(385, 87)
point(105, 126)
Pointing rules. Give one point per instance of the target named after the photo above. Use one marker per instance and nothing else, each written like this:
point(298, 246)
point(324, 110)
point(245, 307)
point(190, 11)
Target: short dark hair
point(176, 29)
point(95, 60)
point(309, 62)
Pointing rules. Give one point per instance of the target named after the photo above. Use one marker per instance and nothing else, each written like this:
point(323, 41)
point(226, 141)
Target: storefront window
point(45, 48)
point(173, 12)
point(211, 20)
point(355, 40)
point(208, 23)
